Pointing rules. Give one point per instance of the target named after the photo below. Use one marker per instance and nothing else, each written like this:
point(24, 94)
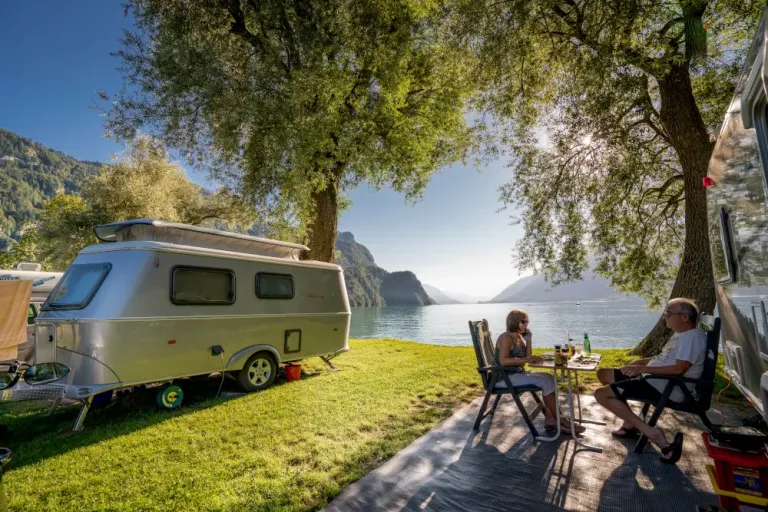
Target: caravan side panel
point(133, 327)
point(737, 212)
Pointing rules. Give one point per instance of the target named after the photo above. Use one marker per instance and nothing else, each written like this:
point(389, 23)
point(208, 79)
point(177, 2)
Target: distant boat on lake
point(578, 303)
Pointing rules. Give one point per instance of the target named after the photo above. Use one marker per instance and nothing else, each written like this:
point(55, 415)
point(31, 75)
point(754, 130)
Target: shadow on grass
point(33, 436)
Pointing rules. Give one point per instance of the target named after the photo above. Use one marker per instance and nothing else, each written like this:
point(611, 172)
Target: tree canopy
point(142, 184)
point(611, 110)
point(289, 103)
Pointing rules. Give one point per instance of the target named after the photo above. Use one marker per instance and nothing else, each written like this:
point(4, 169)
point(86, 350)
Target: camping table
point(575, 367)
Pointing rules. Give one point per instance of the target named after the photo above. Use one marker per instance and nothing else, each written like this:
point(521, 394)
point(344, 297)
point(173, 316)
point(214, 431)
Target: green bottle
point(587, 345)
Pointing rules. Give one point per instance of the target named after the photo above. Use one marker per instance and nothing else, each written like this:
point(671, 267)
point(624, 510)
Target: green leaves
point(144, 184)
point(26, 249)
point(605, 179)
point(65, 226)
point(281, 99)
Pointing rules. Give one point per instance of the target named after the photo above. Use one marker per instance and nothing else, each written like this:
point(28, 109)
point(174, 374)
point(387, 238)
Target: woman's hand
point(528, 336)
point(535, 360)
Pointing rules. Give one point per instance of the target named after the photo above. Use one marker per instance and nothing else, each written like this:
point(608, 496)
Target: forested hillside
point(30, 173)
point(370, 285)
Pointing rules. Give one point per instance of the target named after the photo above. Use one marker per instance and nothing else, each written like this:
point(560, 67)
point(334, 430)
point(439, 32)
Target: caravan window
point(78, 286)
point(761, 127)
point(274, 286)
point(200, 285)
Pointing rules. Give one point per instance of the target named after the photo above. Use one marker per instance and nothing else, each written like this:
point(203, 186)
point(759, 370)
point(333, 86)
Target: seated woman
point(513, 348)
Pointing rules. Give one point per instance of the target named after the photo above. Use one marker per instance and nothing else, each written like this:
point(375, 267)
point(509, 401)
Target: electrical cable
point(223, 374)
point(720, 409)
point(717, 402)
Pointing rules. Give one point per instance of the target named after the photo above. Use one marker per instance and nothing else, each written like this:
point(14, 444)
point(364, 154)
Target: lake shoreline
point(610, 325)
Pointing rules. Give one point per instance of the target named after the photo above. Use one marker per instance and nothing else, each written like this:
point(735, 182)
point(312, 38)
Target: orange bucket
point(292, 372)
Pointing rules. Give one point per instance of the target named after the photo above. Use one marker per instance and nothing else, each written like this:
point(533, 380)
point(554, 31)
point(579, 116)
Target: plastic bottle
point(587, 345)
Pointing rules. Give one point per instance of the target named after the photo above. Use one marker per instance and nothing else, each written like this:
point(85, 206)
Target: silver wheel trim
point(259, 372)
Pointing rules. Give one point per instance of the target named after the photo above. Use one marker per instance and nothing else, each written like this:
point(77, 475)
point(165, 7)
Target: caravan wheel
point(258, 373)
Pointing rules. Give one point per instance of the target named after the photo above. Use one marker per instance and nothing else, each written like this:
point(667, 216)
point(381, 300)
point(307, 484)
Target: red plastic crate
point(738, 477)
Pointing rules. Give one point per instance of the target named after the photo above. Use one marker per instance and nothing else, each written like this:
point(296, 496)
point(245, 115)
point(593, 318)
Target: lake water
point(610, 324)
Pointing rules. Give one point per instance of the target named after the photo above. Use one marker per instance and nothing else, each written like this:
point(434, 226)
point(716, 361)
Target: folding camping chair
point(496, 379)
point(694, 404)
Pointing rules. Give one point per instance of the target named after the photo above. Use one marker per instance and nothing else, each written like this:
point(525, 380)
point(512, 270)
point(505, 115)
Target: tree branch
point(239, 28)
point(662, 188)
point(631, 55)
point(671, 23)
point(294, 59)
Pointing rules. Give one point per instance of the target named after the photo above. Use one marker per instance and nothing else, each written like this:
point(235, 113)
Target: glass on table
point(559, 357)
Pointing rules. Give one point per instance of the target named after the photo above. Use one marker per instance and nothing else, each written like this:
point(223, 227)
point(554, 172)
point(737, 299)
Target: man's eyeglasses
point(665, 314)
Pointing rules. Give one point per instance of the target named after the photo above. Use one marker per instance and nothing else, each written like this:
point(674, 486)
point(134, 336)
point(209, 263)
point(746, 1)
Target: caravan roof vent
point(196, 236)
point(29, 266)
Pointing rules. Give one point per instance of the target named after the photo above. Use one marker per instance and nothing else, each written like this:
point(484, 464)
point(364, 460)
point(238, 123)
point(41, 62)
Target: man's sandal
point(675, 448)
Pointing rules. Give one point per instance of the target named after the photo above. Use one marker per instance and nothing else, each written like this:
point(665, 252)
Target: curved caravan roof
point(196, 236)
point(189, 249)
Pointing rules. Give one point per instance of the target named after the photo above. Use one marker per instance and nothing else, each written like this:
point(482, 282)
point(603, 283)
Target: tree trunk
point(683, 125)
point(325, 218)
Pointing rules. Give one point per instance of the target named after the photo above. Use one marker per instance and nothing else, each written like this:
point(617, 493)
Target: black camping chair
point(491, 375)
point(694, 404)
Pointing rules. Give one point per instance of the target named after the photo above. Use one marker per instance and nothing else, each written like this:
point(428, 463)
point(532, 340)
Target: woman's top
point(517, 352)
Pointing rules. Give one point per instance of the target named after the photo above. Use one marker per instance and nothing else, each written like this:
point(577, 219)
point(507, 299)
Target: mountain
point(361, 274)
point(30, 174)
point(403, 289)
point(370, 285)
point(439, 296)
point(351, 253)
point(536, 289)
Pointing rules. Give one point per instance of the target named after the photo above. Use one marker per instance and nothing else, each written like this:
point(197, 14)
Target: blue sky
point(56, 56)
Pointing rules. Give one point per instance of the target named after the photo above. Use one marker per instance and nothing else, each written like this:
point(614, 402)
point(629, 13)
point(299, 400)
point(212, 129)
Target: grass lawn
point(292, 447)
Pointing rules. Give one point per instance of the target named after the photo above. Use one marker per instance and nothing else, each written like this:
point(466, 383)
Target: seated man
point(683, 354)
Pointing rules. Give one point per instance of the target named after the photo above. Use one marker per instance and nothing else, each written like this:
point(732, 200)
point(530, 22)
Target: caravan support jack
point(327, 360)
point(81, 417)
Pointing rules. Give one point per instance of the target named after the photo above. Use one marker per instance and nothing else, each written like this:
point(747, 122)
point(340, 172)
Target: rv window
point(759, 319)
point(77, 287)
point(760, 116)
point(197, 285)
point(274, 286)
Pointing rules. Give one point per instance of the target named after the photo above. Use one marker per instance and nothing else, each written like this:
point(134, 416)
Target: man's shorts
point(633, 388)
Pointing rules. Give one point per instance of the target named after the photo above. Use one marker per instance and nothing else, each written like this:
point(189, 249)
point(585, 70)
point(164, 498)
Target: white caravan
point(161, 301)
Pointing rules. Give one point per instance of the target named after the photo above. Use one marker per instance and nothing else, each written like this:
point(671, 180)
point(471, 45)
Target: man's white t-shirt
point(688, 346)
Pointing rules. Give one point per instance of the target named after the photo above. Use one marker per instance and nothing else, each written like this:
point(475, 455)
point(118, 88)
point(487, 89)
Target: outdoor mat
point(500, 468)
